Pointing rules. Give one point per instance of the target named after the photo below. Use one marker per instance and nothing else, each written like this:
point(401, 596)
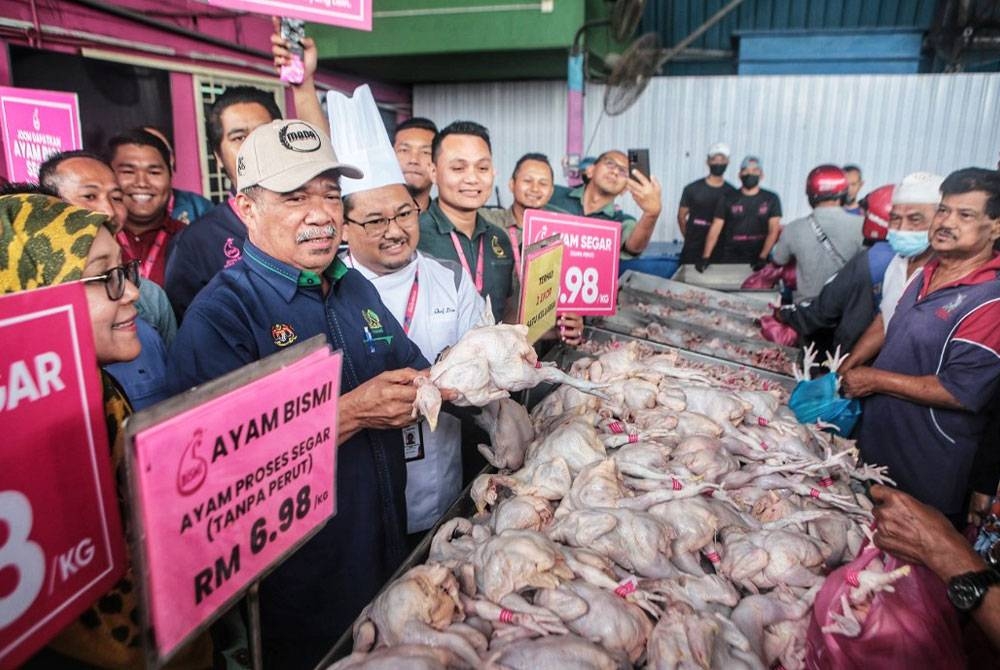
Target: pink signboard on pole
point(355, 14)
point(589, 284)
point(36, 124)
point(226, 488)
point(61, 544)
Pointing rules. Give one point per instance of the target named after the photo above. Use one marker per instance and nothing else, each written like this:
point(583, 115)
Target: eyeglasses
point(376, 227)
point(610, 164)
point(114, 279)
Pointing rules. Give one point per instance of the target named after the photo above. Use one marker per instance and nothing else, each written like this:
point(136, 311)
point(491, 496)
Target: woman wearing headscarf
point(45, 241)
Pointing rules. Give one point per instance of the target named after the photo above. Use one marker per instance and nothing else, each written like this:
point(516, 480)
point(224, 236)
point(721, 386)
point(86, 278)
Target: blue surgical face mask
point(908, 243)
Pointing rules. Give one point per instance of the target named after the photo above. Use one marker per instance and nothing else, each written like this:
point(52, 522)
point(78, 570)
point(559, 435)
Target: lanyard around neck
point(151, 256)
point(478, 279)
point(515, 245)
point(411, 302)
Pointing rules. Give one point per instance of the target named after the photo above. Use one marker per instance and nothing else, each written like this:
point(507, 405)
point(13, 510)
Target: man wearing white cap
point(928, 391)
point(914, 203)
point(699, 201)
point(288, 286)
point(435, 301)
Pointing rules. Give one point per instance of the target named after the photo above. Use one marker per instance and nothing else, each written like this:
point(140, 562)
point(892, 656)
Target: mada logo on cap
point(299, 137)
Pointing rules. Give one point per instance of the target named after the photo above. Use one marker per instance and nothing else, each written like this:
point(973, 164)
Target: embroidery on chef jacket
point(413, 442)
point(497, 249)
point(373, 330)
point(282, 334)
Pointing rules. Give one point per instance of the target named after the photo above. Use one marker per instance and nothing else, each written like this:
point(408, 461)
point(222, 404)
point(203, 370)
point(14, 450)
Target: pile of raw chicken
point(648, 513)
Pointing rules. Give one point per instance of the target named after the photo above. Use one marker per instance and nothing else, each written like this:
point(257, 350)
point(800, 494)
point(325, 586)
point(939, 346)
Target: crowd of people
point(335, 231)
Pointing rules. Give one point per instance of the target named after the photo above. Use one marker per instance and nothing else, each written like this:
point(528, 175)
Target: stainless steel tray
point(742, 303)
point(627, 322)
point(564, 356)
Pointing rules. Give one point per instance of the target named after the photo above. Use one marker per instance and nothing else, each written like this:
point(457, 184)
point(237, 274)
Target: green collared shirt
point(571, 202)
point(333, 272)
point(499, 282)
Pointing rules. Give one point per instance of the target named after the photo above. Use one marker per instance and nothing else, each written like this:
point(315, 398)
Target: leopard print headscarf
point(44, 241)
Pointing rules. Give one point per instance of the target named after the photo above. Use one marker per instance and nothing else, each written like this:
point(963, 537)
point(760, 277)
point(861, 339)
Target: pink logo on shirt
point(232, 252)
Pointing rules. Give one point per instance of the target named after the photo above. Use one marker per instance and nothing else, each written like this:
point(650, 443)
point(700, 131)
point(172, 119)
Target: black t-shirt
point(702, 201)
point(746, 218)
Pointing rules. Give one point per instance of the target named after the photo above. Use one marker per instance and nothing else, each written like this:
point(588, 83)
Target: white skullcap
point(359, 138)
point(919, 188)
point(719, 148)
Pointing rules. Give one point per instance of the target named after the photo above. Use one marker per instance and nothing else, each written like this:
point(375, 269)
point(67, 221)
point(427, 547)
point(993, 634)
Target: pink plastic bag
point(777, 332)
point(764, 278)
point(789, 276)
point(913, 627)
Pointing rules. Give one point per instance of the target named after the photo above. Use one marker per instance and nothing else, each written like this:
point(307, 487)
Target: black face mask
point(750, 180)
point(717, 170)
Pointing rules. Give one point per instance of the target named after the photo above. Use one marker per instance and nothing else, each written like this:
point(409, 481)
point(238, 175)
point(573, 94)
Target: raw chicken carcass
point(416, 609)
point(510, 430)
point(606, 618)
point(565, 652)
point(486, 364)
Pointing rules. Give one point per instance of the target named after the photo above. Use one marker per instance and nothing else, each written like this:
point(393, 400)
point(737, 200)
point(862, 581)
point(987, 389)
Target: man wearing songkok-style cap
point(288, 286)
point(914, 204)
point(928, 391)
point(434, 300)
point(746, 224)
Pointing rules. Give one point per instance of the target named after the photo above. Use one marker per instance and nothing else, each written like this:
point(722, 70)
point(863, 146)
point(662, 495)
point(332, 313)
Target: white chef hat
point(919, 188)
point(359, 138)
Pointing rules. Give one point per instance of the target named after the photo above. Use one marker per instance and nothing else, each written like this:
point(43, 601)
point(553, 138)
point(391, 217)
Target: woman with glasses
point(43, 242)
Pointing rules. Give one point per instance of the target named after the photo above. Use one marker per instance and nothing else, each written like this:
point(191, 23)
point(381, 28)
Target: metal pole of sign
point(253, 614)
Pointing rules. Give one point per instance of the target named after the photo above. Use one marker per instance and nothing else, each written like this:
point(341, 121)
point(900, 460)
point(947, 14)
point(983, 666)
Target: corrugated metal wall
point(889, 124)
point(674, 20)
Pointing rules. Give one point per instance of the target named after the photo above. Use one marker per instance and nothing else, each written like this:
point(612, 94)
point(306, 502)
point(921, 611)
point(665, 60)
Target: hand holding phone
point(293, 32)
point(638, 159)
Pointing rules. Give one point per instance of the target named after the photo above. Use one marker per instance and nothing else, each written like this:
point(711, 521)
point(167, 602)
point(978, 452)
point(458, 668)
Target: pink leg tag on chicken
point(713, 557)
point(506, 616)
point(826, 482)
point(626, 587)
point(676, 484)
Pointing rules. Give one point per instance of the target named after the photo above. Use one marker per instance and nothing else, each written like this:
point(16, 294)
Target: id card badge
point(413, 442)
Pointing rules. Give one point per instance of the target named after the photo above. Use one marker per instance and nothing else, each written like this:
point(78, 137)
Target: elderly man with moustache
point(938, 365)
point(288, 286)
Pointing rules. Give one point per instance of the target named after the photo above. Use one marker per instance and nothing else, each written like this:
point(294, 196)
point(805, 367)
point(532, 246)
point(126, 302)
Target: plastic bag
point(764, 278)
point(914, 626)
point(778, 332)
point(818, 400)
point(789, 276)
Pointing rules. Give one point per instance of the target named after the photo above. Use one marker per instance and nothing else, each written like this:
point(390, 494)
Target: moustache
point(313, 233)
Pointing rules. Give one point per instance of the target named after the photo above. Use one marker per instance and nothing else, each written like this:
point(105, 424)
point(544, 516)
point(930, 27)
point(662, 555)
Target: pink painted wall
point(247, 50)
point(186, 149)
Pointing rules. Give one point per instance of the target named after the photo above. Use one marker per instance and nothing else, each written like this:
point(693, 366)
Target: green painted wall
point(460, 31)
point(462, 40)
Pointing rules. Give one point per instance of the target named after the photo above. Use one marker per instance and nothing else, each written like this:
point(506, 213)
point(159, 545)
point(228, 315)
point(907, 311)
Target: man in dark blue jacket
point(287, 287)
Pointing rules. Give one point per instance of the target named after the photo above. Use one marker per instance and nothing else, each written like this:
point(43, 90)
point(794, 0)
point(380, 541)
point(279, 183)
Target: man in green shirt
point(452, 229)
point(608, 178)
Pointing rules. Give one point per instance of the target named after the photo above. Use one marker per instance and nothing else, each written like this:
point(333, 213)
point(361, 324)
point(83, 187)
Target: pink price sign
point(61, 545)
point(35, 125)
point(589, 284)
point(229, 487)
point(355, 14)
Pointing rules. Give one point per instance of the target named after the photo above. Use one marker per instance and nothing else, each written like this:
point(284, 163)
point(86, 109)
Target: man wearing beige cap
point(699, 200)
point(287, 287)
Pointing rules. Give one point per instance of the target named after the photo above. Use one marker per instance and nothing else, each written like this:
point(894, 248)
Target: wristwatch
point(967, 591)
